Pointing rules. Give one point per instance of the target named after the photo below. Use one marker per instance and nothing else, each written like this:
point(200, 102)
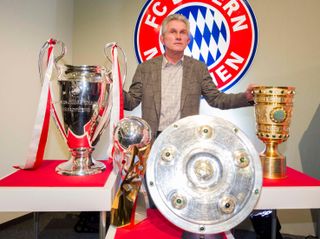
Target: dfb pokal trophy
point(273, 111)
point(81, 109)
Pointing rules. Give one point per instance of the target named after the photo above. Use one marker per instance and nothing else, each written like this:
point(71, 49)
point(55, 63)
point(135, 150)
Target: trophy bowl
point(81, 103)
point(80, 110)
point(204, 175)
point(132, 130)
point(273, 111)
point(129, 131)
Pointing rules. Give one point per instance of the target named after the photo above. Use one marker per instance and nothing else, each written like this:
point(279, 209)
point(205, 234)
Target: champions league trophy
point(273, 110)
point(132, 142)
point(204, 175)
point(81, 109)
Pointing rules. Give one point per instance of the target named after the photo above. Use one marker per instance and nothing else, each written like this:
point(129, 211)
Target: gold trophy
point(273, 110)
point(132, 144)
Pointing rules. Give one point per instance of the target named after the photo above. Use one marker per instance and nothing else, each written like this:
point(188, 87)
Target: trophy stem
point(80, 163)
point(273, 163)
point(126, 205)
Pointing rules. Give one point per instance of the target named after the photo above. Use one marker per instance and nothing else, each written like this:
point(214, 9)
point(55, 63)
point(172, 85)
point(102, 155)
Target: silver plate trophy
point(81, 110)
point(204, 175)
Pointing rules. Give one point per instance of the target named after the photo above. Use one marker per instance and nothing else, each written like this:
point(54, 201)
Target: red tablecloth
point(45, 176)
point(294, 179)
point(155, 226)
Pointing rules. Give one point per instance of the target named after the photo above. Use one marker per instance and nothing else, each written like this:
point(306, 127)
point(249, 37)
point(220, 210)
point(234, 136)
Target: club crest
point(224, 35)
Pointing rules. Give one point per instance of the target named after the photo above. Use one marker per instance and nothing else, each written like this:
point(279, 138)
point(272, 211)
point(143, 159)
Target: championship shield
point(273, 111)
point(204, 175)
point(80, 106)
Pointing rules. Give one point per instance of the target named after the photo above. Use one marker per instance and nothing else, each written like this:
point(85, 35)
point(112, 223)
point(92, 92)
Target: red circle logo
point(223, 35)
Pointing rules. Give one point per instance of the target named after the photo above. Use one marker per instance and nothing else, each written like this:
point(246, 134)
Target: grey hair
point(178, 17)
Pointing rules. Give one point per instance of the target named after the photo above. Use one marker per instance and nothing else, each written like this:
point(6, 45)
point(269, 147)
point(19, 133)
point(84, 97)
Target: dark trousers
point(262, 223)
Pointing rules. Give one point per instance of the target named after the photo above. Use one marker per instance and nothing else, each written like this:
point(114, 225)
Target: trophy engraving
point(82, 102)
point(273, 111)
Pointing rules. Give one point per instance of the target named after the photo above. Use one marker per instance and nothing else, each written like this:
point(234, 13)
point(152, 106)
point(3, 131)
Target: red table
point(45, 176)
point(45, 190)
point(155, 226)
point(297, 191)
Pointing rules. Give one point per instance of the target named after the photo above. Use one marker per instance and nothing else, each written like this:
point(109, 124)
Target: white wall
point(24, 27)
point(287, 54)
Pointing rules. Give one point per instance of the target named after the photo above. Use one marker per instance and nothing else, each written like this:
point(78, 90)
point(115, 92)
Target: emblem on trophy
point(81, 107)
point(273, 111)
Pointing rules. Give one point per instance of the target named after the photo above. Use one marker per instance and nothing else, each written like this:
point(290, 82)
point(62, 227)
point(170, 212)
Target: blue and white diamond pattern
point(209, 34)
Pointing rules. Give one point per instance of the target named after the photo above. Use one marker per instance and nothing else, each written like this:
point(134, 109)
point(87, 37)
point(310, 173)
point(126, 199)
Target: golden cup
point(273, 110)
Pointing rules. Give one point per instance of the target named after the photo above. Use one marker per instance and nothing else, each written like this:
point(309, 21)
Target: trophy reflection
point(273, 110)
point(81, 109)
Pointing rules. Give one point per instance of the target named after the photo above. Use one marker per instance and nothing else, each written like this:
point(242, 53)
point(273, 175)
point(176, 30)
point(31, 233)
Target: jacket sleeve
point(133, 97)
point(216, 98)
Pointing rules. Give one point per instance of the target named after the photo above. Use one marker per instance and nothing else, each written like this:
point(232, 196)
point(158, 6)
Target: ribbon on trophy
point(117, 111)
point(41, 127)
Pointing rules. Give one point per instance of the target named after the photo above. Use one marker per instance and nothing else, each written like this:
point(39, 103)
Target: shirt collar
point(166, 63)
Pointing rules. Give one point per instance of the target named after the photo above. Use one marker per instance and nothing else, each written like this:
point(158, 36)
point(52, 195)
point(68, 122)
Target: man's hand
point(249, 92)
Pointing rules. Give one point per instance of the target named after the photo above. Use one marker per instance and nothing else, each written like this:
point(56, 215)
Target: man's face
point(176, 37)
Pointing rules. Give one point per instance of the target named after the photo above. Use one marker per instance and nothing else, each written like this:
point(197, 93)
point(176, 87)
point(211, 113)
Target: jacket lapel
point(156, 83)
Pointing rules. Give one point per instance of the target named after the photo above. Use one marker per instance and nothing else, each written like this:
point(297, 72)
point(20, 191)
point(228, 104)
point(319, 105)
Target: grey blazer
point(146, 89)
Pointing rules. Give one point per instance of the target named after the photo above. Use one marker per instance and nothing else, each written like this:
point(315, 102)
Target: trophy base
point(274, 167)
point(190, 235)
point(80, 167)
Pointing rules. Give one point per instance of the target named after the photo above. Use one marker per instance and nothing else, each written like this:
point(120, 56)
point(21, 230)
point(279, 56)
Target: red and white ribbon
point(41, 127)
point(117, 111)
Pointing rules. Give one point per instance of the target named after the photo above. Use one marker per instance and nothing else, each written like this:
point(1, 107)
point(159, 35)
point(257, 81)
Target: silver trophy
point(80, 97)
point(204, 175)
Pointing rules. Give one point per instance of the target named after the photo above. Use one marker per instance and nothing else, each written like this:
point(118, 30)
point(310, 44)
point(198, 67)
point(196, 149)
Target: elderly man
point(170, 86)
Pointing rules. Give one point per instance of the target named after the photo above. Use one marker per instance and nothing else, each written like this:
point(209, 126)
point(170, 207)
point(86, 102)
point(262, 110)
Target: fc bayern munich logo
point(223, 35)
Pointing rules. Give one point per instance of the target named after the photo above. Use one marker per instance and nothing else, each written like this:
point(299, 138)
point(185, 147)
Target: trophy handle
point(44, 58)
point(107, 52)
